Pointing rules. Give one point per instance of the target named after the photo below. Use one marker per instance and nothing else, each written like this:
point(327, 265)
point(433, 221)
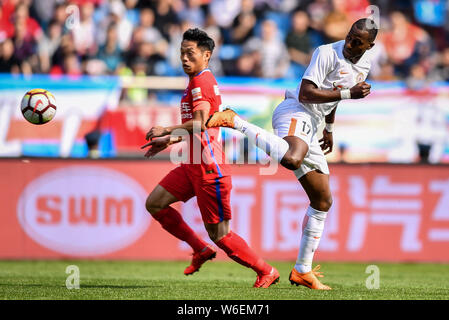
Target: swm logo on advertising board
point(83, 210)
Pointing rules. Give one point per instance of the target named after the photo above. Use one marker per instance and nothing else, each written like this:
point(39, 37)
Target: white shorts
point(291, 119)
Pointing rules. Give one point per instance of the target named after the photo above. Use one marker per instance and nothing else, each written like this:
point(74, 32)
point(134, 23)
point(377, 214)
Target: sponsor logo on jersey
point(342, 72)
point(185, 107)
point(216, 90)
point(196, 94)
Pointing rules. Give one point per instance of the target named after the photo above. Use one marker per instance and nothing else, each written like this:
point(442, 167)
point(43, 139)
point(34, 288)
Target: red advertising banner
point(55, 209)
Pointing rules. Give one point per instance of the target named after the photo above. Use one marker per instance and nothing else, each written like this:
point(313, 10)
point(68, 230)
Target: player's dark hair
point(201, 38)
point(367, 24)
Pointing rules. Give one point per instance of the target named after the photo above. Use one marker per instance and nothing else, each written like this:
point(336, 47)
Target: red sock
point(238, 250)
point(172, 221)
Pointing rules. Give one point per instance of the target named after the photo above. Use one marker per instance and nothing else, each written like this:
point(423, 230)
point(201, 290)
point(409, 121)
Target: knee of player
point(213, 235)
point(291, 162)
point(152, 205)
point(324, 203)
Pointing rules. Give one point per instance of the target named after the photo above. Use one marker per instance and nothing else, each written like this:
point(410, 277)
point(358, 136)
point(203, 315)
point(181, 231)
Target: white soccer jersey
point(330, 70)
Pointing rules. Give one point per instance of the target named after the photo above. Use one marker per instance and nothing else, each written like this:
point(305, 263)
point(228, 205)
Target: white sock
point(273, 145)
point(310, 239)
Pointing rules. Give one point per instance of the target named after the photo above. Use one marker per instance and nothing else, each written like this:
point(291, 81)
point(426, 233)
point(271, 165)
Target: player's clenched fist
point(360, 90)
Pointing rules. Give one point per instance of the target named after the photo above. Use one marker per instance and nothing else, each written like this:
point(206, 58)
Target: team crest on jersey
point(360, 77)
point(216, 90)
point(196, 94)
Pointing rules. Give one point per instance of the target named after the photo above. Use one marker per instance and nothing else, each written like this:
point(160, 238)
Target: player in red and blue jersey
point(205, 176)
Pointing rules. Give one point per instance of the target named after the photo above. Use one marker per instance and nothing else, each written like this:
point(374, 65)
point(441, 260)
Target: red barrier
point(95, 209)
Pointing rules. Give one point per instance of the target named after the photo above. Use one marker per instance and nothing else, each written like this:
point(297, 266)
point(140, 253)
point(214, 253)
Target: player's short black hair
point(367, 24)
point(201, 38)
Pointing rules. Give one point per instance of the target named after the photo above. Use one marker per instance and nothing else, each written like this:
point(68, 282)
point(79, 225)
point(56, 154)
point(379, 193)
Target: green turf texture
point(217, 280)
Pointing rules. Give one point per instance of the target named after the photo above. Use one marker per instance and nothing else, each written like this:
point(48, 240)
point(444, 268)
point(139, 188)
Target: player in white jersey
point(337, 71)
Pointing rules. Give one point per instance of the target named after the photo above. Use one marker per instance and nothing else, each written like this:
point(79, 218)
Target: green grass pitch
point(217, 280)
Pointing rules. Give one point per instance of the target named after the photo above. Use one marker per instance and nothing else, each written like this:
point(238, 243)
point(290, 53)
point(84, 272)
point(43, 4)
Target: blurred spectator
point(32, 28)
point(417, 79)
point(110, 52)
point(318, 11)
point(24, 46)
point(193, 13)
point(66, 48)
point(386, 72)
point(298, 39)
point(48, 46)
point(243, 25)
point(124, 27)
point(352, 9)
point(248, 65)
point(213, 31)
point(8, 62)
point(224, 11)
point(336, 26)
point(151, 34)
point(72, 65)
point(401, 41)
point(165, 17)
point(60, 14)
point(43, 11)
point(273, 52)
point(94, 67)
point(8, 8)
point(6, 27)
point(84, 33)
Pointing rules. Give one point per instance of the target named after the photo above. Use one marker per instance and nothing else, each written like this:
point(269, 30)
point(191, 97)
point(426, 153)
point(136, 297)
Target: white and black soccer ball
point(38, 106)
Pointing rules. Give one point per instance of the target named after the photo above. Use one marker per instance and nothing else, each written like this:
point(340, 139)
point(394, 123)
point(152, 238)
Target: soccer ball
point(38, 106)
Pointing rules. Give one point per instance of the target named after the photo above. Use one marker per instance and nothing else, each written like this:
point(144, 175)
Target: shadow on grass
point(85, 286)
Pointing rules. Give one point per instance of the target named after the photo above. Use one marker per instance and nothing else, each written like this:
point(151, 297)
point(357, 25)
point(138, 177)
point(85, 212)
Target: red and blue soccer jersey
point(206, 151)
point(206, 176)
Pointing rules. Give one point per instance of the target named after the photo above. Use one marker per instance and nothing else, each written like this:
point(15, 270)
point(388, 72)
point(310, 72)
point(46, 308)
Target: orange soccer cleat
point(221, 119)
point(199, 258)
point(266, 280)
point(308, 279)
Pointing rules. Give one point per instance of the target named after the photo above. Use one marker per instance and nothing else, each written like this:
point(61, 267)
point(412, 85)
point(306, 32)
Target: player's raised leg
point(288, 151)
point(158, 204)
point(316, 185)
point(273, 145)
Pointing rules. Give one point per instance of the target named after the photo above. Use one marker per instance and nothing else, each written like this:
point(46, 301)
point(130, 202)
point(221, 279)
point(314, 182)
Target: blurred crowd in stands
point(255, 38)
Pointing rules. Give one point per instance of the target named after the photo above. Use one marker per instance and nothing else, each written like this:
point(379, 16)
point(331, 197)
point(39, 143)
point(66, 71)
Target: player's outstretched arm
point(200, 116)
point(310, 93)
